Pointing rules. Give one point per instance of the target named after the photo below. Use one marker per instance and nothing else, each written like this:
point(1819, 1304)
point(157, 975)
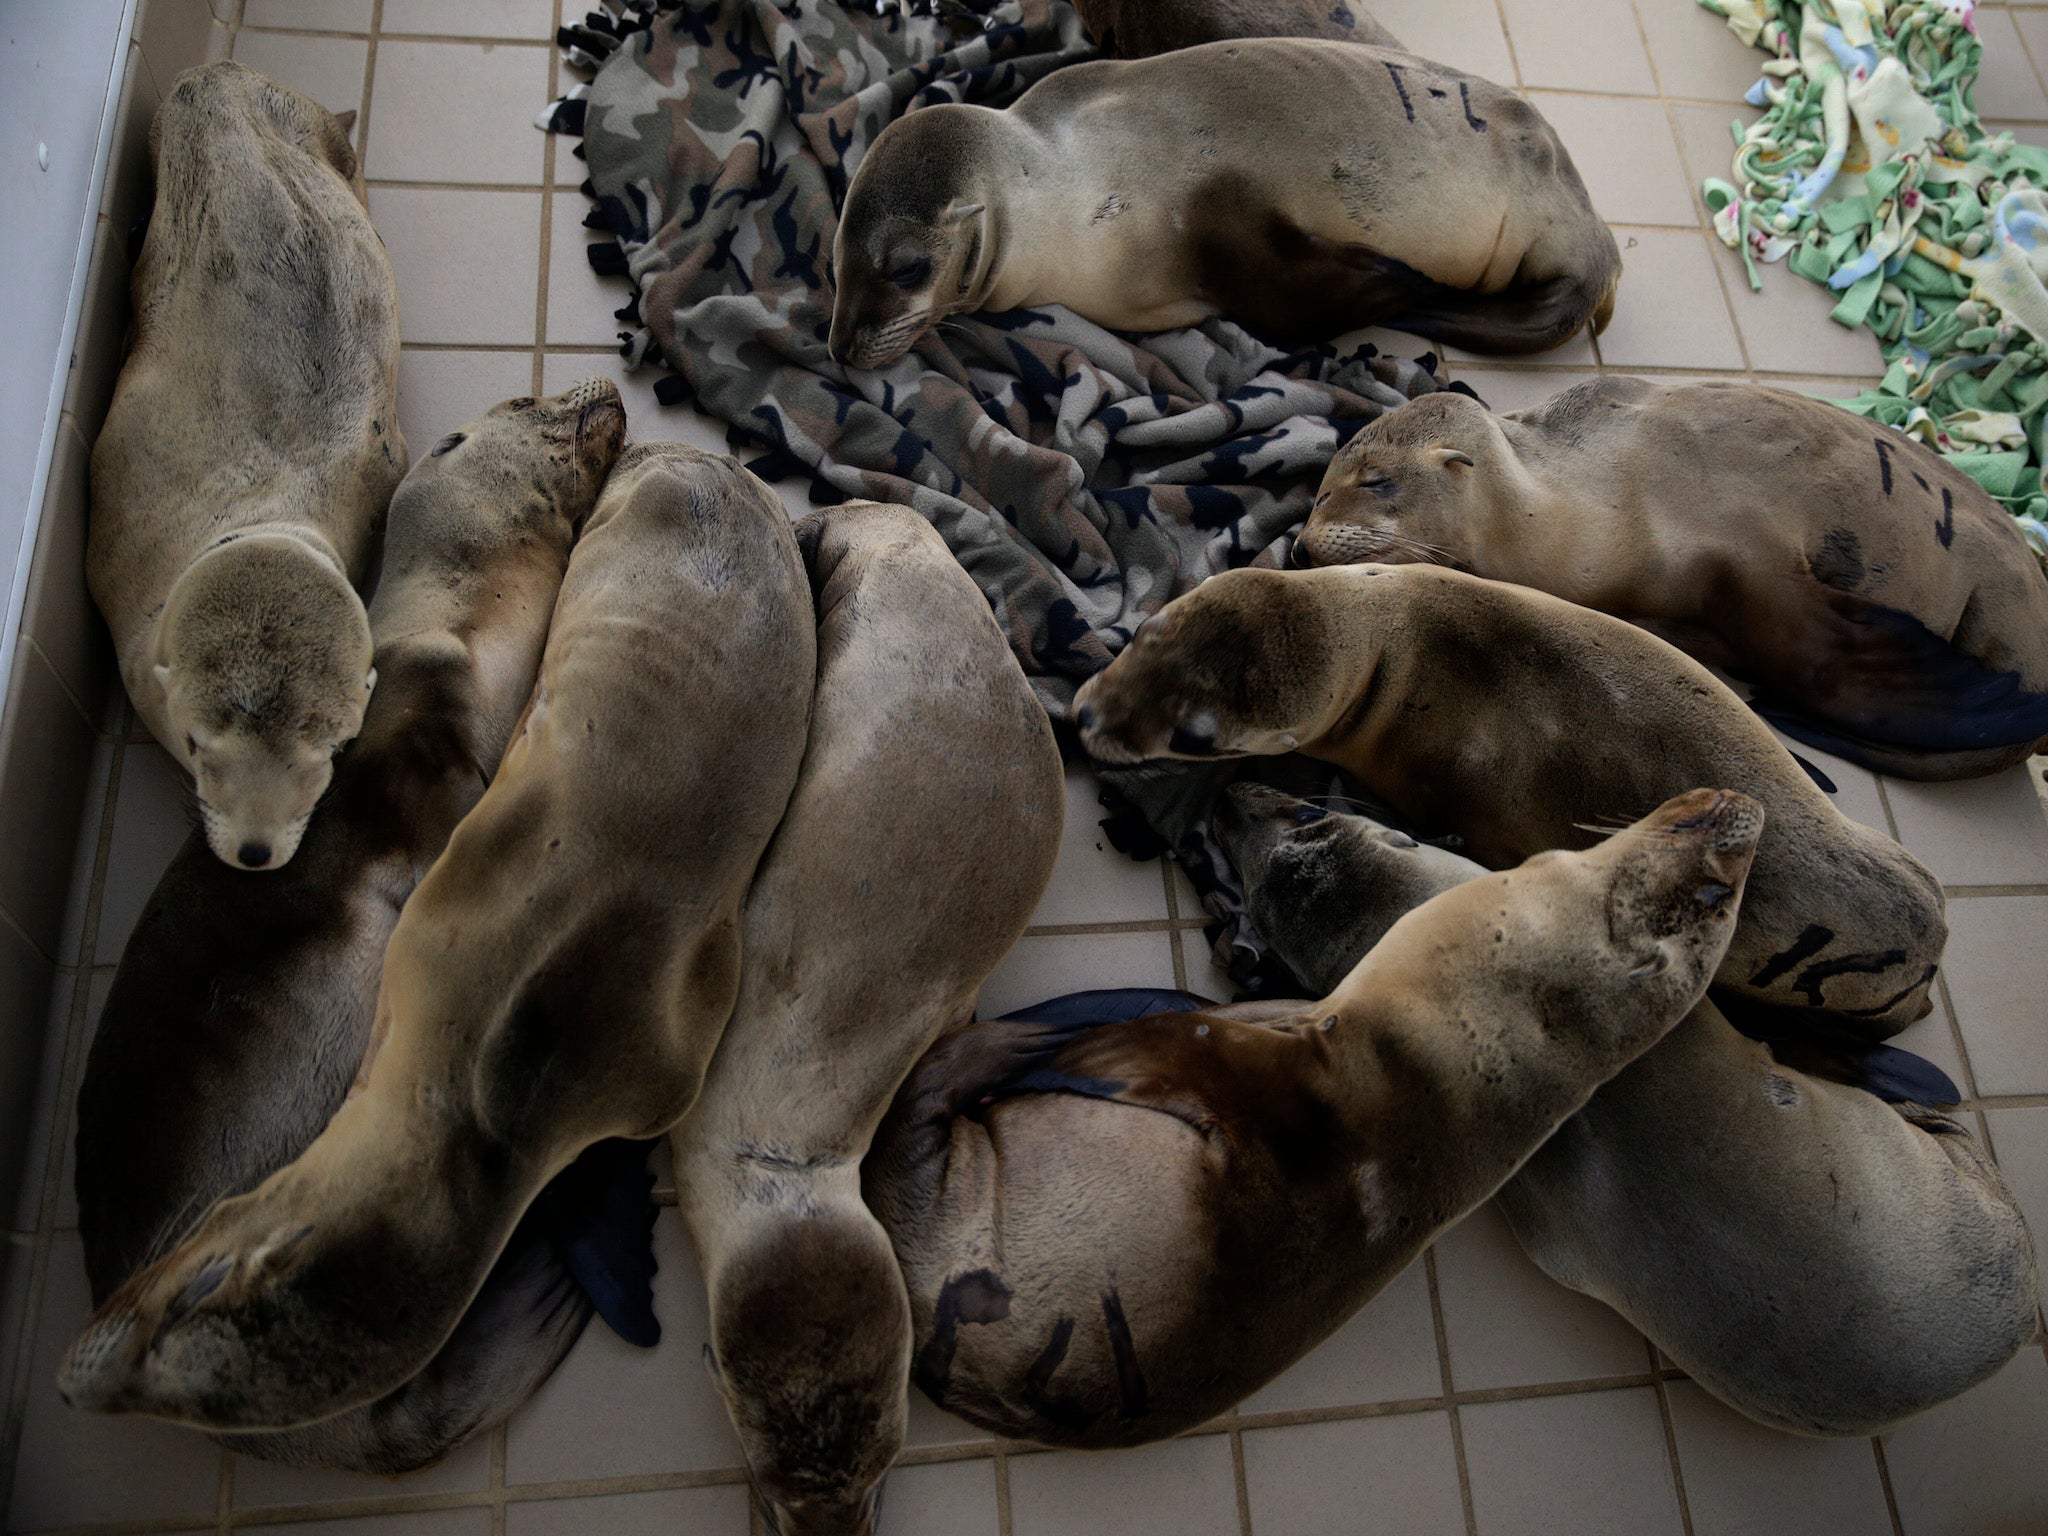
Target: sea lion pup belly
point(1112, 1234)
point(1817, 1258)
point(919, 839)
point(1137, 29)
point(243, 1004)
point(561, 975)
point(1522, 722)
point(1151, 194)
point(249, 455)
point(1885, 608)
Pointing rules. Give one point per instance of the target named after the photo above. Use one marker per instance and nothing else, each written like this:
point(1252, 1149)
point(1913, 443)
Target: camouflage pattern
point(1083, 478)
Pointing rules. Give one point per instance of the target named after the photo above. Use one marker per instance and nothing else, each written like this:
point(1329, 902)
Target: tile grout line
point(1443, 1366)
point(547, 216)
point(369, 89)
point(2027, 52)
point(451, 38)
point(1663, 1398)
point(1884, 1481)
point(1244, 1497)
point(1180, 963)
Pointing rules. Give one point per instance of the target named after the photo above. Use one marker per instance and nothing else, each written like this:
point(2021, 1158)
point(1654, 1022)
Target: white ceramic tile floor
point(497, 299)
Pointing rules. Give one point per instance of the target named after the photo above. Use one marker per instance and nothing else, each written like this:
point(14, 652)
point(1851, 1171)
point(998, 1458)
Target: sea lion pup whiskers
point(1137, 29)
point(1152, 194)
point(1885, 607)
point(1522, 722)
point(249, 454)
point(242, 1008)
point(1110, 1234)
point(920, 837)
point(561, 975)
point(1819, 1259)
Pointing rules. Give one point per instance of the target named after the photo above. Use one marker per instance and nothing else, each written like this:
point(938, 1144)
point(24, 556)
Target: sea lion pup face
point(264, 660)
point(1403, 489)
point(1227, 671)
point(913, 243)
point(583, 430)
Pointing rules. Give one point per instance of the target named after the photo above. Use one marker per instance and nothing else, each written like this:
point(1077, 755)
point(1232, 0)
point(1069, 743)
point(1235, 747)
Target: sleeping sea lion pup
point(561, 975)
point(242, 1007)
point(1817, 1258)
point(1885, 607)
point(1522, 722)
point(920, 837)
point(1153, 194)
point(1112, 1234)
point(1137, 29)
point(248, 456)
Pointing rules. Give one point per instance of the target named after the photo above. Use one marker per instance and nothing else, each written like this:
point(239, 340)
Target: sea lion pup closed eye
point(920, 837)
point(1137, 29)
point(1819, 1259)
point(1522, 722)
point(243, 1004)
point(1885, 608)
point(249, 454)
point(561, 975)
point(1153, 194)
point(1112, 1234)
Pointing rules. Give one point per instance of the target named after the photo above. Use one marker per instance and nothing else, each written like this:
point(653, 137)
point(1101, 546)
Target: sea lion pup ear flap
point(960, 213)
point(1447, 458)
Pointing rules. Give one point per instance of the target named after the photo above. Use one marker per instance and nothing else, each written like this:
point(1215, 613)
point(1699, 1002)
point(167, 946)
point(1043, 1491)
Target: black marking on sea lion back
point(1815, 976)
point(1062, 1411)
point(1810, 942)
point(1394, 72)
point(1477, 124)
point(1839, 560)
point(978, 1296)
point(1884, 463)
point(1945, 530)
point(1130, 1378)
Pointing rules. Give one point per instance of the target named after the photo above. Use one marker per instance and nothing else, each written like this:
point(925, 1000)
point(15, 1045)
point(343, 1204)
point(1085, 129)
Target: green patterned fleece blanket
point(1083, 478)
point(1871, 173)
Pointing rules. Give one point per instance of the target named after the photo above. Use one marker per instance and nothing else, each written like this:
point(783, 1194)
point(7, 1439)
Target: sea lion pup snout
point(264, 656)
point(911, 249)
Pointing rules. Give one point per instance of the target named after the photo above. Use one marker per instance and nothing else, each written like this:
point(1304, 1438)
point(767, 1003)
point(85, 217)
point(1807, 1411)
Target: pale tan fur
point(920, 837)
point(1778, 537)
point(1522, 722)
point(562, 974)
point(1116, 1235)
point(249, 455)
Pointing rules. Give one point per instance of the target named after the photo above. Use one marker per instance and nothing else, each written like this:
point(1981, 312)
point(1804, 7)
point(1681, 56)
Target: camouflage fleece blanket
point(1083, 478)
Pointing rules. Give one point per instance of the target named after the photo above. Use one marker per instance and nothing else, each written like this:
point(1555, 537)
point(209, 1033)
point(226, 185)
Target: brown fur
point(1521, 723)
point(561, 975)
point(249, 454)
point(1824, 1262)
point(1137, 29)
point(1112, 1235)
point(242, 1007)
point(1866, 586)
point(1152, 194)
point(918, 841)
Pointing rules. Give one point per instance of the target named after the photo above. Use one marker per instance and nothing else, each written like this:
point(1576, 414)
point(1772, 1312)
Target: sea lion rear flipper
point(1807, 1041)
point(599, 1215)
point(1898, 698)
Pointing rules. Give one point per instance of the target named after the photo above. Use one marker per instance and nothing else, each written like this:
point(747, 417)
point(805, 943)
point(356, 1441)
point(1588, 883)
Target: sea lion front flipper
point(1896, 697)
point(1108, 1005)
point(598, 1213)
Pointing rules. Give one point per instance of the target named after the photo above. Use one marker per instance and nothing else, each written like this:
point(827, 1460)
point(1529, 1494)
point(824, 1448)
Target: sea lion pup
point(242, 1007)
point(561, 975)
point(920, 837)
point(1522, 722)
point(1152, 194)
point(1885, 607)
point(1137, 29)
point(1112, 1234)
point(1820, 1260)
point(249, 455)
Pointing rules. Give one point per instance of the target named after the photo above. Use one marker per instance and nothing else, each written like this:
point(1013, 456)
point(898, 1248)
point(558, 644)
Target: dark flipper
point(1892, 695)
point(599, 1215)
point(1108, 1005)
point(1805, 1041)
